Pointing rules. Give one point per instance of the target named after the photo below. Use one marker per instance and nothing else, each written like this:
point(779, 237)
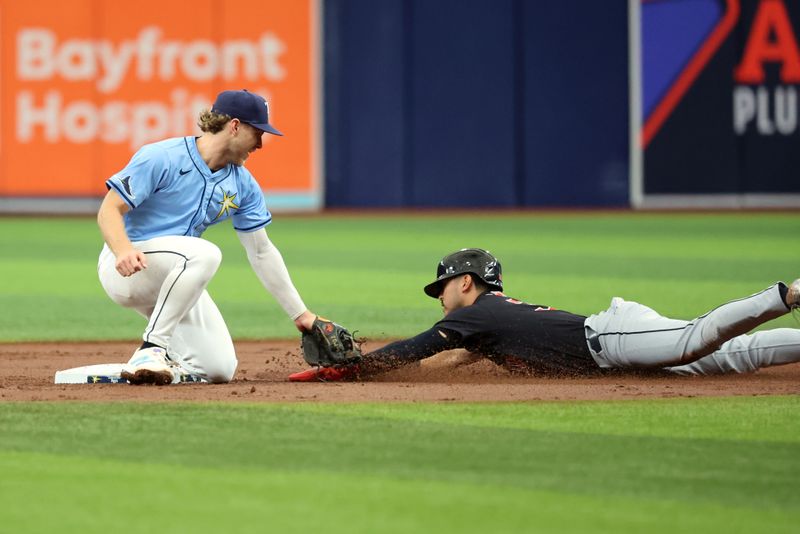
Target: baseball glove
point(329, 344)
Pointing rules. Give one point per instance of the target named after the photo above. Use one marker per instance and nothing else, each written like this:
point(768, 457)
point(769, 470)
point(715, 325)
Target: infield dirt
point(27, 371)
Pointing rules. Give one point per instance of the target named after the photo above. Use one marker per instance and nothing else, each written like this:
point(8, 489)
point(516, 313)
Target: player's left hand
point(305, 323)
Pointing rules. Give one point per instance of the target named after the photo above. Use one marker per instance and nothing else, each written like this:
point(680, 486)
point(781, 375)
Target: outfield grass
point(697, 465)
point(367, 272)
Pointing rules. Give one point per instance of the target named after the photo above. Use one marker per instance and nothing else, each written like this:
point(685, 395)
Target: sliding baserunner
point(537, 338)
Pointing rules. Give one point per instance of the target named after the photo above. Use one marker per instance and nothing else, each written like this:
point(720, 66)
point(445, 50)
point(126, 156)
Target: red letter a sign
point(770, 20)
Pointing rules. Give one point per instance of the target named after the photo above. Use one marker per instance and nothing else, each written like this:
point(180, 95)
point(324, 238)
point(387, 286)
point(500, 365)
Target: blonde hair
point(212, 122)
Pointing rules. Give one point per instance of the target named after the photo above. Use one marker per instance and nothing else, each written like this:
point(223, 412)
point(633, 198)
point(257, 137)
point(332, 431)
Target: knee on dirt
point(221, 372)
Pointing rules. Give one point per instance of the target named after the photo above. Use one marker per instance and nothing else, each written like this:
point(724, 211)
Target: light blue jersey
point(171, 191)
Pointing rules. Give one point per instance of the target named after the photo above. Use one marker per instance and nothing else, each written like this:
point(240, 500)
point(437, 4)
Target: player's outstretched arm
point(112, 226)
point(268, 264)
point(391, 356)
point(419, 347)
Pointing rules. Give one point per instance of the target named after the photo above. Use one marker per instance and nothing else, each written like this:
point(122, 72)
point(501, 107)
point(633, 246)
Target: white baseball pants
point(629, 334)
point(171, 294)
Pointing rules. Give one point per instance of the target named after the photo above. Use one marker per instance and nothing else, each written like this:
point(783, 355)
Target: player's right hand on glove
point(328, 344)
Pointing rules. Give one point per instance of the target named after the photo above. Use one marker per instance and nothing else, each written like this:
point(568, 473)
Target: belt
point(593, 339)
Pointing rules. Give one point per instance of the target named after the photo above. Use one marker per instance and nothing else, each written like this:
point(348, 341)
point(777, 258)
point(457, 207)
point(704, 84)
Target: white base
point(104, 373)
point(109, 373)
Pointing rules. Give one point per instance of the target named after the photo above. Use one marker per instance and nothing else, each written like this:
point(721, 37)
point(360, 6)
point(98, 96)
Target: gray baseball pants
point(631, 335)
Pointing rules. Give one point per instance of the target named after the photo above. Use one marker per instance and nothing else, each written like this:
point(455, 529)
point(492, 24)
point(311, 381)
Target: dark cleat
point(147, 376)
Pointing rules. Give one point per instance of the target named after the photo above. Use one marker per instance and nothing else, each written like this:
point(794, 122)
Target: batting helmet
point(467, 260)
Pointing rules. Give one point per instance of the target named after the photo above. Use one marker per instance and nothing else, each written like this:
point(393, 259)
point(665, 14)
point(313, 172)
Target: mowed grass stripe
point(87, 495)
point(720, 471)
point(762, 419)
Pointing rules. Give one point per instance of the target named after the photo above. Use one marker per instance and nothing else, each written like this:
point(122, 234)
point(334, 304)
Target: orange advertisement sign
point(85, 83)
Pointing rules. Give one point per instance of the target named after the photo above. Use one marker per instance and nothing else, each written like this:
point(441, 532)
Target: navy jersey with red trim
point(506, 330)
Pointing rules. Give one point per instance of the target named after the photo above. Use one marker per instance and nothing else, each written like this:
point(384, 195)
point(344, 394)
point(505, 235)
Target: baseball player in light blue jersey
point(155, 260)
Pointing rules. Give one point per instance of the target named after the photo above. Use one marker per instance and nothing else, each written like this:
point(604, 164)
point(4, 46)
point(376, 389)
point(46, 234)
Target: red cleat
point(324, 374)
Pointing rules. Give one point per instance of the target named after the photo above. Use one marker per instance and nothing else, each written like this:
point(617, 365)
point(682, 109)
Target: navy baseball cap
point(248, 107)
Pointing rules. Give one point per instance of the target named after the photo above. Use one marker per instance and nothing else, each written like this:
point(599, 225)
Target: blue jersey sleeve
point(252, 214)
point(141, 175)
